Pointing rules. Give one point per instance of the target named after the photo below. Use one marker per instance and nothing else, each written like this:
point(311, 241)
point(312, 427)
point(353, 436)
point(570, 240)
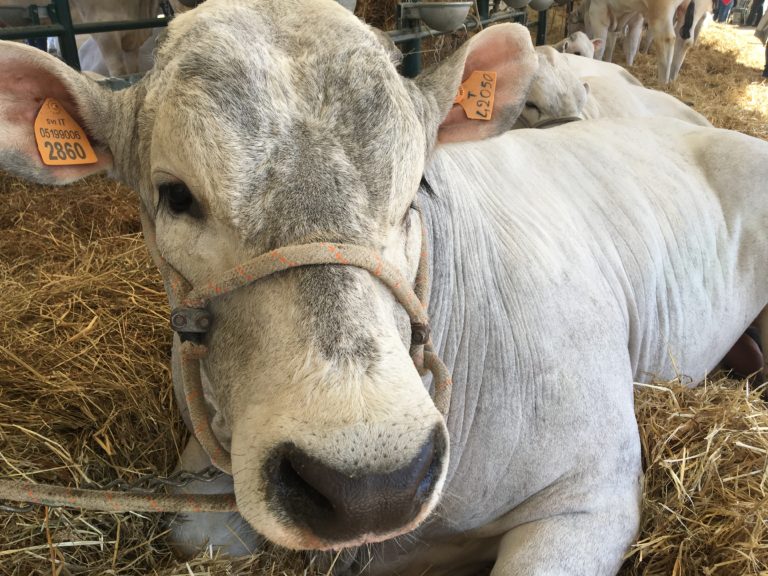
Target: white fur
point(573, 86)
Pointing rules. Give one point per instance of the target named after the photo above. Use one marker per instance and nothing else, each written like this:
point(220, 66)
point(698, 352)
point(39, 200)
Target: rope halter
point(191, 319)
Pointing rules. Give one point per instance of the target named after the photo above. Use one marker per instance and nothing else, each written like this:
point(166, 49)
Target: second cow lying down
point(555, 285)
point(568, 86)
point(578, 44)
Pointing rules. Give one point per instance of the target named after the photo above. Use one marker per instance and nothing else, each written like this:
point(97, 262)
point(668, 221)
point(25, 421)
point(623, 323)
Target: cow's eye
point(577, 53)
point(179, 199)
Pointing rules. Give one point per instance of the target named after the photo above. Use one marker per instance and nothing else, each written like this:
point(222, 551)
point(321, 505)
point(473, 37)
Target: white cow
point(120, 50)
point(567, 87)
point(554, 285)
point(690, 19)
point(630, 28)
point(109, 53)
point(578, 44)
point(673, 24)
point(584, 67)
point(92, 59)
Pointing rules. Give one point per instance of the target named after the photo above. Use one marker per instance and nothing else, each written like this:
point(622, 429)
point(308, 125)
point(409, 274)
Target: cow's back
point(611, 99)
point(652, 216)
point(568, 263)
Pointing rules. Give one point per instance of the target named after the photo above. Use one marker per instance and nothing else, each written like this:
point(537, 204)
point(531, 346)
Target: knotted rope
point(114, 501)
point(190, 319)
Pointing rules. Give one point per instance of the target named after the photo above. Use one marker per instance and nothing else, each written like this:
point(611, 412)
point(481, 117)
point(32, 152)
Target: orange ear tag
point(60, 140)
point(476, 95)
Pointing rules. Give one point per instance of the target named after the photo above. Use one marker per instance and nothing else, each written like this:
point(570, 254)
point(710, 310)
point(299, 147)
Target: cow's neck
point(470, 323)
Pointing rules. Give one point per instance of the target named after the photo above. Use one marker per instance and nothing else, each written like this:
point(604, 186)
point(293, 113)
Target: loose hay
point(705, 455)
point(720, 78)
point(85, 392)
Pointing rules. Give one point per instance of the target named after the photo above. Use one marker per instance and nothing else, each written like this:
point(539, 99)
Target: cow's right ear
point(28, 77)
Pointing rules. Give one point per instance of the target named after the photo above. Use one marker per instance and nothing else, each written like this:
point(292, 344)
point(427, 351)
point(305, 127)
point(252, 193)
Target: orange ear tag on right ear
point(476, 95)
point(60, 139)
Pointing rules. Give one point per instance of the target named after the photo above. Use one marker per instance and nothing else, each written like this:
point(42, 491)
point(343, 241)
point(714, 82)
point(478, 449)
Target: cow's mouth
point(337, 509)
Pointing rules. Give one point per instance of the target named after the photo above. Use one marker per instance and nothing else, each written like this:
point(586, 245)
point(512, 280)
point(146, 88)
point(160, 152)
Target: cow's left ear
point(597, 42)
point(505, 49)
point(28, 77)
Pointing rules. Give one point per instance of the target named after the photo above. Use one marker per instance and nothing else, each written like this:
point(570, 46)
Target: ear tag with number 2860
point(60, 139)
point(476, 95)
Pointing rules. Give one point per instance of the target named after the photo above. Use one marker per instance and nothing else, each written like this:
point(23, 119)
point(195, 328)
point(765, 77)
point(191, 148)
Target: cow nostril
point(430, 477)
point(339, 505)
point(295, 485)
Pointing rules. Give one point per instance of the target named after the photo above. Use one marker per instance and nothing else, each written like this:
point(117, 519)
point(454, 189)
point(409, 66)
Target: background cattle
point(568, 86)
point(674, 26)
point(107, 53)
point(690, 18)
point(578, 44)
point(120, 50)
point(630, 30)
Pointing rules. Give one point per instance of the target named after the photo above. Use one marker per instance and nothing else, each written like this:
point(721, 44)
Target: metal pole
point(39, 43)
point(67, 38)
point(482, 8)
point(541, 28)
point(411, 47)
point(412, 57)
point(42, 31)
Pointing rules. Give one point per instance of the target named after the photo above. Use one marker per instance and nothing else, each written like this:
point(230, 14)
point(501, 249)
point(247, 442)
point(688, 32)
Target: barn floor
point(720, 78)
point(85, 391)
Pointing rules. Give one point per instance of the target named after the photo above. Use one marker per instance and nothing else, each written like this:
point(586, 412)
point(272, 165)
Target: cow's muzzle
point(347, 507)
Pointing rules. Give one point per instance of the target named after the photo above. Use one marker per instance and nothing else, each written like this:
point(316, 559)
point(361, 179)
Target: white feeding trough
point(348, 4)
point(516, 4)
point(440, 16)
point(540, 5)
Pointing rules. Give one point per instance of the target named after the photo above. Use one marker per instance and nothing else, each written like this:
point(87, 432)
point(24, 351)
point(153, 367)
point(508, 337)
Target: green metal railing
point(65, 30)
point(410, 37)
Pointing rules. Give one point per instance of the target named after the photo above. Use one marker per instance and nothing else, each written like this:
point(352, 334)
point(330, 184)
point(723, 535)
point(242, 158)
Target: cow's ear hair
point(505, 49)
point(597, 42)
point(395, 56)
point(28, 77)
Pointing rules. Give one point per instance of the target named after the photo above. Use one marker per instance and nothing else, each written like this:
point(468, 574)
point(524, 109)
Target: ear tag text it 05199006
point(60, 139)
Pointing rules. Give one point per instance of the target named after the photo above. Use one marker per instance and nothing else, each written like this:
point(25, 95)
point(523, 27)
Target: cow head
point(579, 44)
point(268, 123)
point(556, 91)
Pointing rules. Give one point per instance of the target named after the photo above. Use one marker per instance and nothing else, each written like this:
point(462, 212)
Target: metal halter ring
point(191, 323)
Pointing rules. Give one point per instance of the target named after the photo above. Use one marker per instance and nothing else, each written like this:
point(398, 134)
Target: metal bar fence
point(409, 37)
point(65, 30)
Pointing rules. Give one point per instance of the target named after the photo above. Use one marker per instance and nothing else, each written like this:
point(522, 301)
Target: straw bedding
point(85, 393)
